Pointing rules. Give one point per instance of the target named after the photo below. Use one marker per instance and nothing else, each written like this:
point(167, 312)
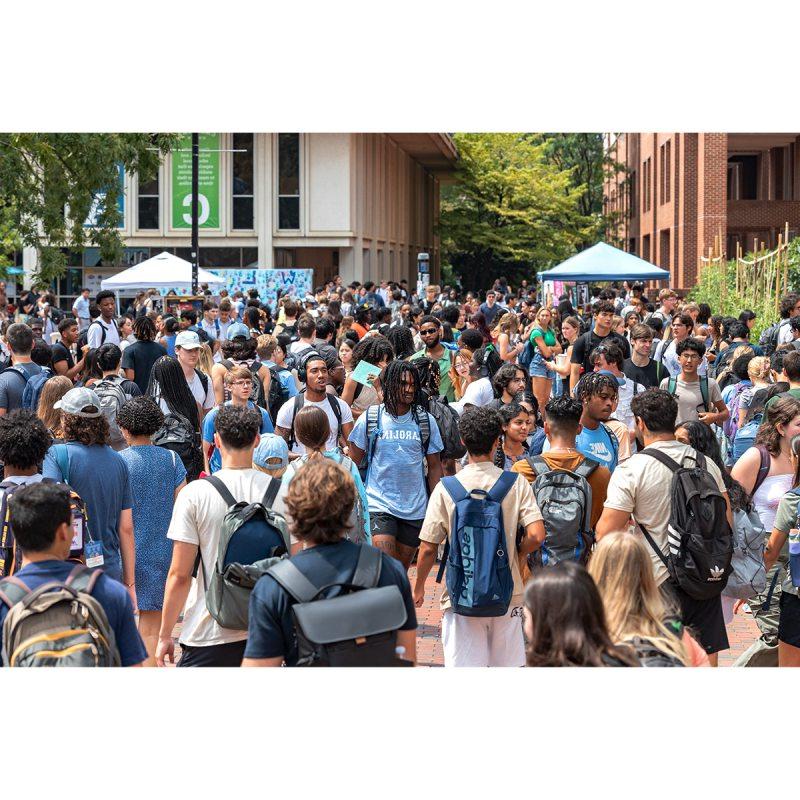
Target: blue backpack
point(479, 578)
point(525, 358)
point(33, 388)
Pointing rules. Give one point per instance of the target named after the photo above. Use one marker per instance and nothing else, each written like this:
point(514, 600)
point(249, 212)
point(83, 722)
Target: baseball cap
point(237, 330)
point(77, 401)
point(271, 446)
point(188, 340)
point(619, 380)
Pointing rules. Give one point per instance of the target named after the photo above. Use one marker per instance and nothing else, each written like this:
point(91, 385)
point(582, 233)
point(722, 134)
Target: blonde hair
point(53, 389)
point(508, 323)
point(623, 571)
point(206, 360)
point(459, 384)
point(759, 369)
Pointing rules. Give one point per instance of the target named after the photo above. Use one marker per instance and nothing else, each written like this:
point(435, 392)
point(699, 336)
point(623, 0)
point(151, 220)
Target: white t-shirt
point(196, 519)
point(785, 333)
point(642, 485)
point(478, 393)
point(94, 336)
point(626, 393)
point(205, 398)
point(286, 413)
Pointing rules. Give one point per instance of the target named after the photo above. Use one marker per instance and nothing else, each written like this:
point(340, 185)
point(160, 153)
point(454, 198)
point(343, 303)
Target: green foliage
point(44, 174)
point(512, 210)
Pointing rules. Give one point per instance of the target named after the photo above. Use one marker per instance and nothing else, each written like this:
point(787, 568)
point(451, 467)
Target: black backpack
point(177, 435)
point(768, 341)
point(700, 540)
point(447, 422)
point(278, 394)
point(650, 656)
point(354, 629)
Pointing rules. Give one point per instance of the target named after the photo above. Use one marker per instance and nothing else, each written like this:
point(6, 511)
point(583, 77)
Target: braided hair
point(392, 384)
point(373, 350)
point(168, 383)
point(593, 383)
point(402, 340)
point(429, 375)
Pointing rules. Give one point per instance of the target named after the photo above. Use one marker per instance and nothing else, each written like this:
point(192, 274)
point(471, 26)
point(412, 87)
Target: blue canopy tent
point(602, 262)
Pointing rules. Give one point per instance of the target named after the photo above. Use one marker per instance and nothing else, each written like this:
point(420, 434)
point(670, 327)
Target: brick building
point(678, 191)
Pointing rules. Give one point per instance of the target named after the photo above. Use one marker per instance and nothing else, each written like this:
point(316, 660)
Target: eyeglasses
point(243, 382)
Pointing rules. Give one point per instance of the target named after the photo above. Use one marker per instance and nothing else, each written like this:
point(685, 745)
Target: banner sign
point(100, 199)
point(208, 182)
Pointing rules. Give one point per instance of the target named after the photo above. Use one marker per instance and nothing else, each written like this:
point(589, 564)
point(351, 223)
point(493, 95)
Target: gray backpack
point(748, 577)
point(252, 538)
point(565, 499)
point(58, 624)
point(112, 398)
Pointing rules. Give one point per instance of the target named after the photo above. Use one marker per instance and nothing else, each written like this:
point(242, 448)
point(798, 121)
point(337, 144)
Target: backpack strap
point(223, 490)
point(502, 486)
point(705, 393)
point(373, 430)
point(538, 465)
point(270, 494)
point(13, 590)
point(669, 463)
point(61, 455)
point(763, 467)
point(299, 399)
point(83, 579)
point(368, 568)
point(337, 412)
point(203, 379)
point(288, 576)
point(652, 543)
point(586, 467)
point(612, 440)
point(672, 385)
point(424, 423)
point(455, 488)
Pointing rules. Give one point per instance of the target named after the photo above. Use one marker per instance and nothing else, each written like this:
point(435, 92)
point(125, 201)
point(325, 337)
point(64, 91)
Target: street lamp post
point(195, 210)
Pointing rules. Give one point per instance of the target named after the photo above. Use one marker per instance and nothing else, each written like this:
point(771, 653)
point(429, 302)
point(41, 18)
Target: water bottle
point(794, 556)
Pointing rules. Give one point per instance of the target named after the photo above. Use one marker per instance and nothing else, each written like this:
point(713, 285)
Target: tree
point(511, 210)
point(52, 183)
point(585, 156)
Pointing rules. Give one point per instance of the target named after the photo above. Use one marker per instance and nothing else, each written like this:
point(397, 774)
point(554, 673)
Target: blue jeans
point(538, 369)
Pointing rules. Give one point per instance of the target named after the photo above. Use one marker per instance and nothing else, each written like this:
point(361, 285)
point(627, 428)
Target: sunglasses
point(426, 331)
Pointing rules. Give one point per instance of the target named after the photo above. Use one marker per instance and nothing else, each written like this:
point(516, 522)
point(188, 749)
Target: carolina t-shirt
point(641, 486)
point(197, 519)
point(396, 482)
point(690, 398)
point(111, 595)
point(598, 480)
point(271, 632)
point(286, 414)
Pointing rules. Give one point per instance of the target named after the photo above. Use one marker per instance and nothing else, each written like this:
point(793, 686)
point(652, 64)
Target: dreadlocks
point(392, 383)
point(144, 329)
point(168, 383)
point(593, 383)
point(402, 340)
point(373, 350)
point(429, 375)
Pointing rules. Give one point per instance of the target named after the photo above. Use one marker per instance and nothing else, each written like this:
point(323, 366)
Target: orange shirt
point(359, 329)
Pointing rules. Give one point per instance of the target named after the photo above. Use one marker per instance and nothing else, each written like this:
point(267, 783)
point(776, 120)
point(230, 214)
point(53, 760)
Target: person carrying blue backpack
point(477, 513)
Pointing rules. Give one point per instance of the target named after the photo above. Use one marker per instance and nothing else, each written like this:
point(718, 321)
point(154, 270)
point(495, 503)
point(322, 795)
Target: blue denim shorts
point(538, 368)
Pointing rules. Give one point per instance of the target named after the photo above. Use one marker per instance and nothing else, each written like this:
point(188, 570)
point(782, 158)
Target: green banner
point(208, 182)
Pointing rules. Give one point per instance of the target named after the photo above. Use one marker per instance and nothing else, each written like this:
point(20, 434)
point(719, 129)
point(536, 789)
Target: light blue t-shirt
point(285, 376)
point(597, 444)
point(215, 462)
point(396, 475)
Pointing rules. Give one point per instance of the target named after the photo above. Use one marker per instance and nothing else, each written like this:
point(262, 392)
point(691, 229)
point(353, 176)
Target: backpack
point(374, 413)
point(299, 399)
point(731, 424)
point(33, 388)
point(700, 540)
point(565, 499)
point(112, 398)
point(256, 390)
point(794, 553)
point(355, 629)
point(278, 394)
point(748, 576)
point(291, 330)
point(252, 538)
point(475, 557)
point(525, 358)
point(672, 388)
point(447, 422)
point(102, 335)
point(649, 655)
point(58, 624)
point(768, 341)
point(22, 374)
point(178, 435)
point(10, 555)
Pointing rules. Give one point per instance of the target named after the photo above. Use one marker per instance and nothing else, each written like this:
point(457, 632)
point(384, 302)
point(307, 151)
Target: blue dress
point(154, 473)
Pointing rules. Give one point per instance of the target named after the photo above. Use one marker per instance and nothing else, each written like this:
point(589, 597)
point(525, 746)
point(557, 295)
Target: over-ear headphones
point(303, 365)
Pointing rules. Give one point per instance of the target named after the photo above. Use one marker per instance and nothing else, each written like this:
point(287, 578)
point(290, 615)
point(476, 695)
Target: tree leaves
point(50, 182)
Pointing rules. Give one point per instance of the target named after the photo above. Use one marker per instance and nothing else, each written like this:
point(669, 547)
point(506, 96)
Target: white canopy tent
point(164, 271)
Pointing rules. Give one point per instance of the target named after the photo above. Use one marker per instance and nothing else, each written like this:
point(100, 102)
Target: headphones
point(313, 355)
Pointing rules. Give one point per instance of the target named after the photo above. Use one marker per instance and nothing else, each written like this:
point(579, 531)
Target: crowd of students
point(605, 486)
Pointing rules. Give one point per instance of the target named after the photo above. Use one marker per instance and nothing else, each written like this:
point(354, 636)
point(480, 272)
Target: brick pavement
point(741, 632)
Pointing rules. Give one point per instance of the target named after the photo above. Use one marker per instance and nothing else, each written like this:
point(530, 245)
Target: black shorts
point(703, 618)
point(789, 624)
point(406, 531)
point(214, 655)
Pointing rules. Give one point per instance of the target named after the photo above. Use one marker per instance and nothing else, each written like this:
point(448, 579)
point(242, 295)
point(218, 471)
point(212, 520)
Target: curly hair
point(320, 501)
point(593, 383)
point(429, 375)
point(144, 329)
point(402, 340)
point(373, 350)
point(24, 439)
point(238, 427)
point(140, 416)
point(239, 349)
point(504, 376)
point(85, 430)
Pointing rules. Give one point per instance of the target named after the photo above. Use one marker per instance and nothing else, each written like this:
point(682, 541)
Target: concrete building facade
point(361, 205)
point(676, 192)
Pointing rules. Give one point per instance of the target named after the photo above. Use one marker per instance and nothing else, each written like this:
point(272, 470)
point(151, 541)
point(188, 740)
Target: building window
point(663, 256)
point(148, 206)
point(743, 177)
point(647, 188)
point(242, 181)
point(646, 247)
point(662, 170)
point(667, 171)
point(289, 181)
point(632, 207)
